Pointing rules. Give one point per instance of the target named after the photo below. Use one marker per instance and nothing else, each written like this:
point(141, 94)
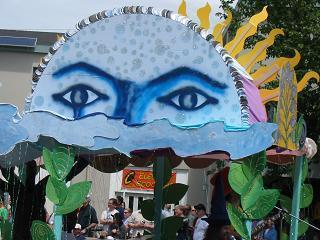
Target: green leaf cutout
point(41, 231)
point(147, 209)
point(238, 221)
point(302, 227)
point(63, 159)
point(264, 204)
point(169, 227)
point(284, 236)
point(56, 190)
point(6, 230)
point(285, 202)
point(75, 197)
point(48, 162)
point(167, 168)
point(306, 195)
point(254, 164)
point(237, 179)
point(305, 167)
point(59, 162)
point(251, 192)
point(174, 192)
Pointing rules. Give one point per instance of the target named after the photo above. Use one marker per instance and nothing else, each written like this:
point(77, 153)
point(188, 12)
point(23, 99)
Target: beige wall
point(16, 75)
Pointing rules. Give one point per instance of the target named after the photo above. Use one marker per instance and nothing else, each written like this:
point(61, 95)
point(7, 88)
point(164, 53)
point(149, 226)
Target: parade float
point(137, 83)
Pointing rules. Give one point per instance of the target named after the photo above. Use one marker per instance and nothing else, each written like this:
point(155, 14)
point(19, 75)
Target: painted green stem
point(158, 196)
point(57, 226)
point(296, 198)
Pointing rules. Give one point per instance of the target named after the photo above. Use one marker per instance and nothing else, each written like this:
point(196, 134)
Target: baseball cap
point(77, 226)
point(200, 206)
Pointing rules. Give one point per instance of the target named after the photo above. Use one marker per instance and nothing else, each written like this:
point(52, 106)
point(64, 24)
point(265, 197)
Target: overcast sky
point(61, 15)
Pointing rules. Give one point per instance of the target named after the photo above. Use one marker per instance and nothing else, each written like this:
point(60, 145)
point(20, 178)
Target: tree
point(299, 19)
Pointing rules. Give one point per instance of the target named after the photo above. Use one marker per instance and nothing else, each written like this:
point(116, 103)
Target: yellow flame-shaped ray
point(236, 45)
point(259, 52)
point(273, 94)
point(304, 81)
point(270, 72)
point(219, 28)
point(203, 15)
point(183, 8)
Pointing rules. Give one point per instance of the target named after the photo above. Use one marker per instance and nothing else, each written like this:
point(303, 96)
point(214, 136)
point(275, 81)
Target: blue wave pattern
point(103, 134)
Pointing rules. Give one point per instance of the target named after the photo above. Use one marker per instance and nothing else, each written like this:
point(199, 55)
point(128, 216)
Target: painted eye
point(79, 96)
point(188, 99)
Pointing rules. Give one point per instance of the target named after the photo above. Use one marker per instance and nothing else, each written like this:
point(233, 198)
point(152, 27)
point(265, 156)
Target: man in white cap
point(77, 232)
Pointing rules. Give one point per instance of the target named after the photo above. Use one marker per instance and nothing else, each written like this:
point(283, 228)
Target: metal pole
point(57, 225)
point(158, 196)
point(296, 198)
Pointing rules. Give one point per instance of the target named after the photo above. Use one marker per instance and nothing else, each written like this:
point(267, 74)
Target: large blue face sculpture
point(137, 78)
point(139, 68)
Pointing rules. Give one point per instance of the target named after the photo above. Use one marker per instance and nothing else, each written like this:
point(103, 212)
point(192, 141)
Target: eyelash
point(177, 99)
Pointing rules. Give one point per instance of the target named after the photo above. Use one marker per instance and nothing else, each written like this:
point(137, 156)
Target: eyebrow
point(83, 66)
point(178, 72)
point(182, 71)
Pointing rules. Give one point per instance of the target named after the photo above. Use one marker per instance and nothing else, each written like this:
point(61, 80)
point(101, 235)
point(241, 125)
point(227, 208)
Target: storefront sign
point(139, 179)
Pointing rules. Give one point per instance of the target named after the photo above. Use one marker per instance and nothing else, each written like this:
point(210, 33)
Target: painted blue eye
point(188, 99)
point(79, 96)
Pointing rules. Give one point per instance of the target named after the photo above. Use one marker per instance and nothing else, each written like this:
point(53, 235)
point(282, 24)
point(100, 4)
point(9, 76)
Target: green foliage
point(41, 231)
point(265, 202)
point(251, 192)
point(147, 209)
point(174, 192)
point(285, 202)
point(59, 161)
point(237, 179)
point(56, 190)
point(257, 202)
point(75, 197)
point(284, 236)
point(6, 230)
point(169, 227)
point(255, 163)
point(238, 221)
point(306, 195)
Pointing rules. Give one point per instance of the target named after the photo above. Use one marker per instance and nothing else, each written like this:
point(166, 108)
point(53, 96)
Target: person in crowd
point(270, 233)
point(124, 231)
point(87, 217)
point(4, 214)
point(77, 232)
point(69, 221)
point(201, 225)
point(137, 223)
point(110, 217)
point(182, 233)
point(120, 209)
point(166, 211)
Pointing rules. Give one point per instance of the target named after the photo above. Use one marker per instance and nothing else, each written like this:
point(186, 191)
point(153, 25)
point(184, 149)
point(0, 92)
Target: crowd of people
point(119, 222)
